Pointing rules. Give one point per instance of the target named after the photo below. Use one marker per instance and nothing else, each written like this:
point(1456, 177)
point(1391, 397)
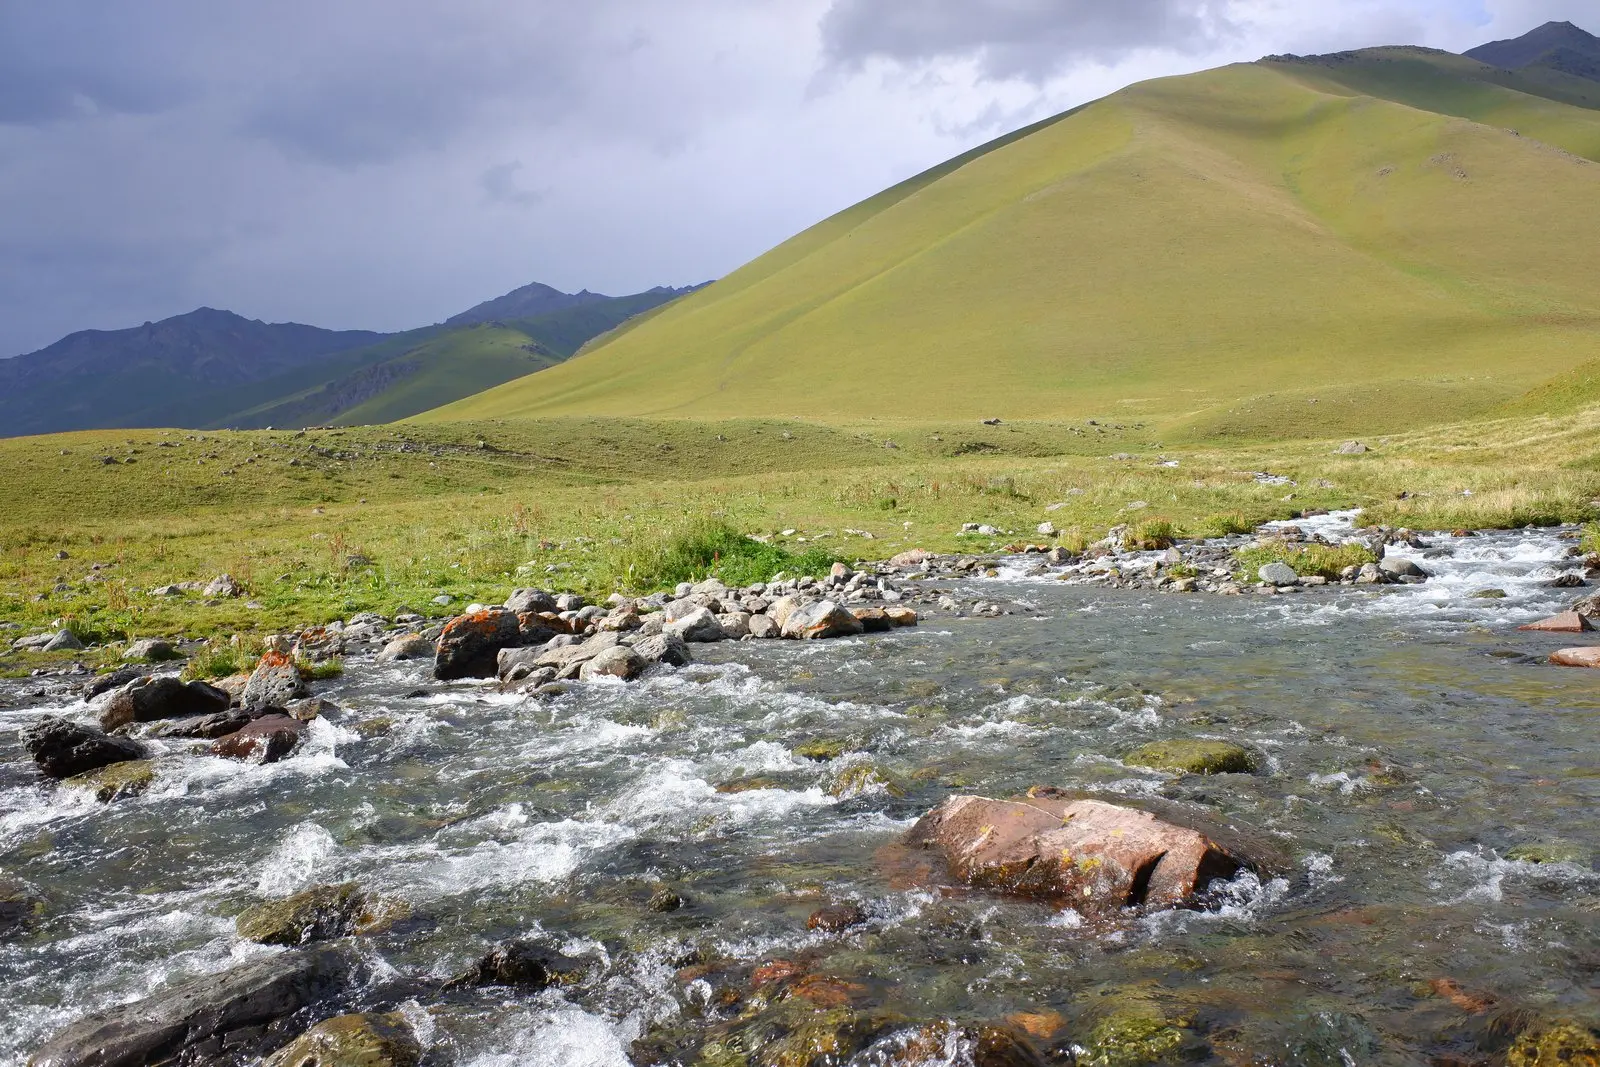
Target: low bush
point(1151, 535)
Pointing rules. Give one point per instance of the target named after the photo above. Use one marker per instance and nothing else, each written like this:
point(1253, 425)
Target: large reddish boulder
point(1568, 622)
point(268, 739)
point(470, 644)
point(1589, 656)
point(1095, 857)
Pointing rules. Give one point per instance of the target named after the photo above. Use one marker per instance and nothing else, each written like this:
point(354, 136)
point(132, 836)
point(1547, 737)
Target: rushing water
point(1411, 738)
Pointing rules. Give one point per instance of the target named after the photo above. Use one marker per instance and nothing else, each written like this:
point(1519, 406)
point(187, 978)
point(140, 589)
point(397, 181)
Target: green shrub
point(218, 660)
point(704, 549)
point(1224, 525)
point(1590, 545)
point(1151, 535)
point(1328, 561)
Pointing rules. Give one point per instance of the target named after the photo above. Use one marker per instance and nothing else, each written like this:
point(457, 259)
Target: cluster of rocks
point(263, 721)
point(537, 638)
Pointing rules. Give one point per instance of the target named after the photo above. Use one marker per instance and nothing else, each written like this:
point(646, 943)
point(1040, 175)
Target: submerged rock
point(937, 1044)
point(20, 906)
point(836, 918)
point(1562, 1044)
point(128, 778)
point(353, 1041)
point(268, 739)
point(527, 964)
point(322, 913)
point(191, 1018)
point(1095, 857)
point(1194, 757)
point(150, 699)
point(64, 749)
point(470, 644)
point(1588, 656)
point(1568, 622)
point(1133, 1039)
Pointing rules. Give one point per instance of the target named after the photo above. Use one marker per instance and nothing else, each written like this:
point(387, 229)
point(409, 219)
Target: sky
point(384, 164)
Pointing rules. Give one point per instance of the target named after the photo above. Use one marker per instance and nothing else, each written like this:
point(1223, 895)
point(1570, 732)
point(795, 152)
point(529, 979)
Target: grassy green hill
point(1282, 248)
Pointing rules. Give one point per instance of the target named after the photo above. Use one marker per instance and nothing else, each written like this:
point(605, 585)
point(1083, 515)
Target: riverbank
point(319, 526)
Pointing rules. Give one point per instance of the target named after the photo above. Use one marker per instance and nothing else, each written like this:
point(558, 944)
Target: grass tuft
point(706, 548)
point(1327, 561)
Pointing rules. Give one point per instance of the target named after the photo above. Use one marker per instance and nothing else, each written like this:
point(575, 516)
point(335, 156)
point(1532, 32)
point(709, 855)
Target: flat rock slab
point(1588, 656)
point(1568, 622)
point(161, 1026)
point(1092, 856)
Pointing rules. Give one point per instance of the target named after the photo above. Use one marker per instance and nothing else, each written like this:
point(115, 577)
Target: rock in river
point(275, 682)
point(1568, 622)
point(151, 699)
point(1588, 656)
point(1092, 856)
point(352, 1041)
point(322, 913)
point(820, 620)
point(268, 739)
point(618, 662)
point(1194, 757)
point(190, 1019)
point(406, 646)
point(128, 778)
point(63, 749)
point(699, 626)
point(523, 963)
point(470, 644)
point(664, 648)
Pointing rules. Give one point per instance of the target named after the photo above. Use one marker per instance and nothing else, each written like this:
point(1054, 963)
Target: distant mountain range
point(1555, 46)
point(1342, 245)
point(212, 369)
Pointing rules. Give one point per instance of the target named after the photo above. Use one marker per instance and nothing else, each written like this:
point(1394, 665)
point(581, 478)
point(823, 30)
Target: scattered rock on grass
point(150, 650)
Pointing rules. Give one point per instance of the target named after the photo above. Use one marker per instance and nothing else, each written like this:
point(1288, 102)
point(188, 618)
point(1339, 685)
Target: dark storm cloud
point(1029, 39)
point(64, 60)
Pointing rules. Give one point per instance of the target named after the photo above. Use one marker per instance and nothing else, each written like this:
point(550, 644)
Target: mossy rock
point(322, 913)
point(1194, 757)
point(353, 1041)
point(1548, 852)
point(1131, 1039)
point(1563, 1044)
point(748, 785)
point(823, 749)
point(20, 906)
point(1489, 594)
point(126, 779)
point(853, 781)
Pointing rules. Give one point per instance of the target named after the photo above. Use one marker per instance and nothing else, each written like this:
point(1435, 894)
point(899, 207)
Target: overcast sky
point(383, 164)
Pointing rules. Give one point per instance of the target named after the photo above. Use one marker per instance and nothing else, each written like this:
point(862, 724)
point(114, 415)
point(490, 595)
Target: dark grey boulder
point(470, 644)
point(186, 1019)
point(523, 963)
point(115, 680)
point(151, 699)
point(63, 748)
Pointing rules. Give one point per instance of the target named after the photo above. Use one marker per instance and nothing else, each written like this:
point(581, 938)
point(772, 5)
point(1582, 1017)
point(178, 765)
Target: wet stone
point(64, 749)
point(267, 739)
point(1194, 757)
point(126, 779)
point(836, 918)
point(150, 699)
point(352, 1041)
point(526, 964)
point(322, 913)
